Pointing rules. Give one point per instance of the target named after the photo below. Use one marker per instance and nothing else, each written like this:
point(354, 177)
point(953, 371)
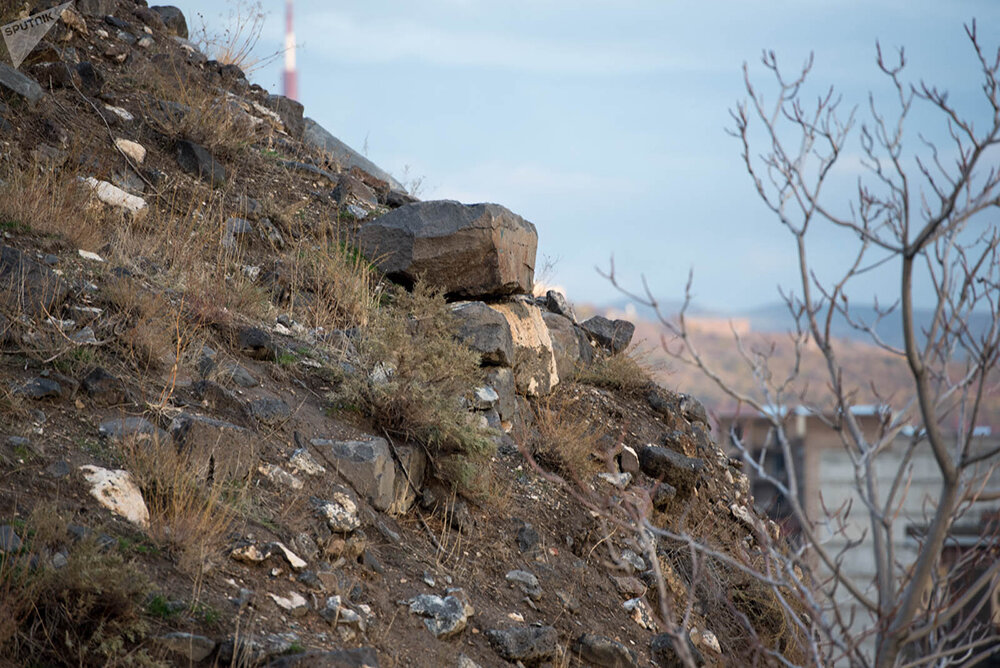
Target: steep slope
point(232, 441)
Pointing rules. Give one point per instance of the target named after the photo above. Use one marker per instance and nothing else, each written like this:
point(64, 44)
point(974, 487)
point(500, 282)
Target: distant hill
point(873, 374)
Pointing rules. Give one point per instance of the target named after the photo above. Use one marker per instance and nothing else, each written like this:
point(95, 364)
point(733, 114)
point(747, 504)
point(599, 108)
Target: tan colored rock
point(535, 371)
point(135, 151)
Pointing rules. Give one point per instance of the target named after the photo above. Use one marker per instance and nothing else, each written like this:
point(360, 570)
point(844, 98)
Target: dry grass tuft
point(564, 439)
point(332, 285)
point(629, 372)
point(189, 518)
point(89, 612)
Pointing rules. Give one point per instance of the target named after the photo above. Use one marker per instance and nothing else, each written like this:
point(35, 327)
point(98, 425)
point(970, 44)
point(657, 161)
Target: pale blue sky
point(603, 121)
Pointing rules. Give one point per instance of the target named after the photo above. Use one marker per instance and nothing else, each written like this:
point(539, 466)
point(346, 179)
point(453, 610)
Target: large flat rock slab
point(465, 250)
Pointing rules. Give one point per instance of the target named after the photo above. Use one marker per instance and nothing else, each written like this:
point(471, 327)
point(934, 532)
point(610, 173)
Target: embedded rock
point(188, 647)
point(465, 250)
point(218, 450)
point(672, 467)
point(140, 429)
point(196, 160)
point(20, 84)
point(114, 196)
point(116, 491)
point(409, 480)
point(604, 652)
point(316, 136)
point(569, 344)
point(362, 657)
point(340, 511)
point(501, 380)
point(530, 645)
point(612, 335)
point(444, 617)
point(557, 303)
point(366, 465)
point(99, 8)
point(486, 331)
point(535, 370)
point(29, 285)
point(173, 19)
point(290, 112)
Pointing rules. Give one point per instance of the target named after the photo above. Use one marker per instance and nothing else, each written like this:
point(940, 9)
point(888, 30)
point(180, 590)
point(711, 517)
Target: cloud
point(348, 39)
point(492, 181)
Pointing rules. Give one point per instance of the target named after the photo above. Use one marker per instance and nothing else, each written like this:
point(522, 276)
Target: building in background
point(827, 479)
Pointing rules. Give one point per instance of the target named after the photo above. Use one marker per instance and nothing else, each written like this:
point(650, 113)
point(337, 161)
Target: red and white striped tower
point(291, 75)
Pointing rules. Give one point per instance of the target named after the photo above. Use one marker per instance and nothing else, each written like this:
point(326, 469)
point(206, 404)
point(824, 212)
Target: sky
point(604, 122)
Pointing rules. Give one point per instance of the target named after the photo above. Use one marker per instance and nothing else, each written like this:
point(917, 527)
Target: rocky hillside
point(261, 407)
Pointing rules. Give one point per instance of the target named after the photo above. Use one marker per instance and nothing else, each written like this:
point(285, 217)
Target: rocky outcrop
point(535, 371)
point(316, 136)
point(612, 335)
point(464, 250)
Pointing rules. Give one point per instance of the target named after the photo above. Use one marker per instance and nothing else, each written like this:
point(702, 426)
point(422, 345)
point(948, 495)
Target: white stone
point(341, 513)
point(249, 554)
point(87, 255)
point(116, 491)
point(535, 372)
point(619, 480)
point(294, 603)
point(132, 149)
point(303, 462)
point(279, 476)
point(710, 641)
point(294, 560)
point(120, 113)
point(112, 195)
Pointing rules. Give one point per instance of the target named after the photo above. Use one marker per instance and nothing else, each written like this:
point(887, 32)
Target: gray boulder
point(366, 465)
point(290, 112)
point(316, 136)
point(569, 344)
point(218, 450)
point(465, 250)
point(529, 644)
point(673, 468)
point(173, 19)
point(612, 335)
point(556, 302)
point(29, 285)
point(196, 160)
point(501, 380)
point(485, 331)
point(604, 652)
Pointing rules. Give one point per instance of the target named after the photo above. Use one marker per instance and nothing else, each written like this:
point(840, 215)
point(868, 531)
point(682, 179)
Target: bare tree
point(930, 209)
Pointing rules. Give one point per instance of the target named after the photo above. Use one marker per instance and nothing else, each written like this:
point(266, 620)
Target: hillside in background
point(875, 374)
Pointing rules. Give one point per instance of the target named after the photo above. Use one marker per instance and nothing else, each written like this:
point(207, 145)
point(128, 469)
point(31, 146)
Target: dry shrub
point(415, 373)
point(188, 518)
point(180, 106)
point(52, 202)
point(148, 324)
point(629, 372)
point(237, 43)
point(89, 612)
point(340, 286)
point(564, 439)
